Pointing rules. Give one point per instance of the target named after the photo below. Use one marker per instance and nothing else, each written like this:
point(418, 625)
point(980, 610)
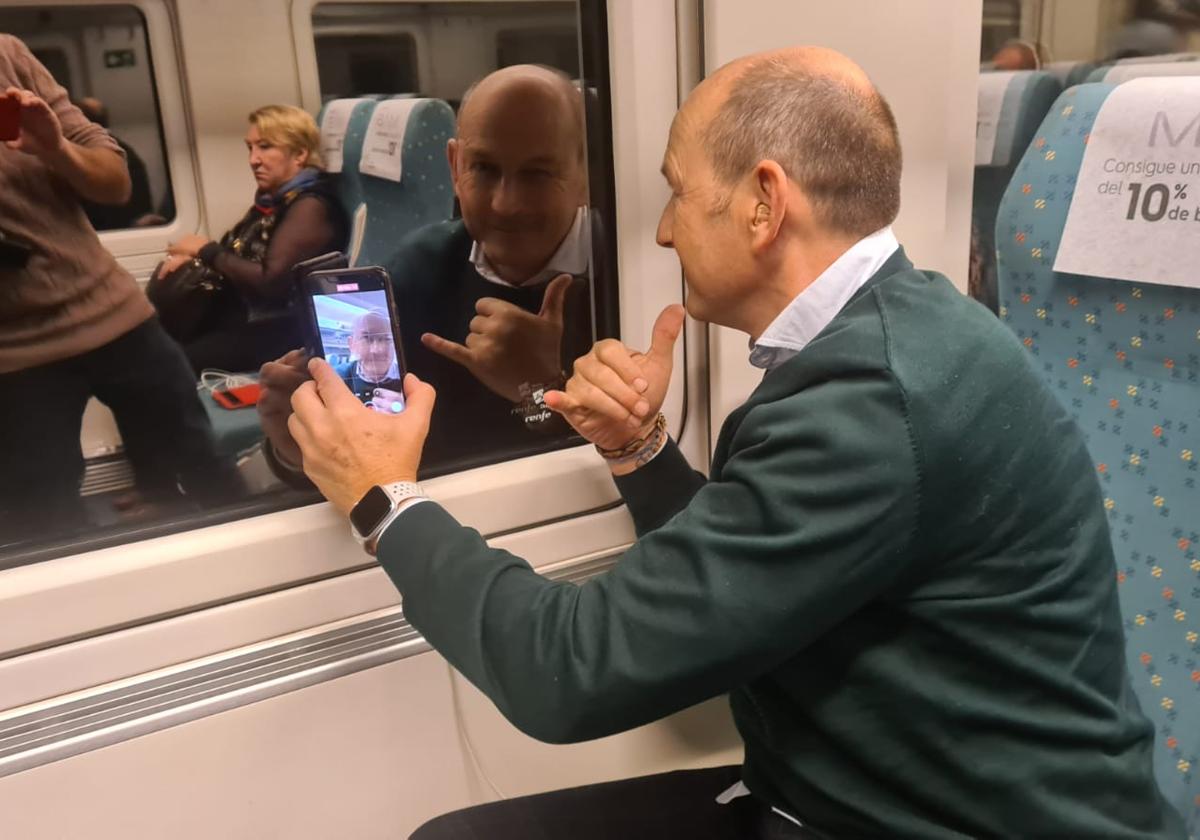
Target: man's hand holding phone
point(279, 380)
point(346, 451)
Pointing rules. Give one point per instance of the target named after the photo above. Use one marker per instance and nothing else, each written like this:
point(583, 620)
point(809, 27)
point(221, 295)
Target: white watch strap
point(404, 494)
point(401, 490)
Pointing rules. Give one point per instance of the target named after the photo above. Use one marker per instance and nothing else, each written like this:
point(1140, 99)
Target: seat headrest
point(1011, 104)
point(334, 122)
point(383, 145)
point(1133, 214)
point(1124, 71)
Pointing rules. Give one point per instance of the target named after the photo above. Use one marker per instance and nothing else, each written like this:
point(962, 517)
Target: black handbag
point(188, 298)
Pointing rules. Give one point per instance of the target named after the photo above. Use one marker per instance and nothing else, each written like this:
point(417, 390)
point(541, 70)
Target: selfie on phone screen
point(356, 339)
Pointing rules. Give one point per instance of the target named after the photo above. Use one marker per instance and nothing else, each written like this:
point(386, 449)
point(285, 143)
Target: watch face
point(370, 511)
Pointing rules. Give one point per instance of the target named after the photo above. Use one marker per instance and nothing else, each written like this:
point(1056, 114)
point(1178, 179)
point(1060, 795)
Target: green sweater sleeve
point(660, 489)
point(811, 516)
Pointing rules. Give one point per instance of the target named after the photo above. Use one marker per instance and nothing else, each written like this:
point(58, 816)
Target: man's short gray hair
point(837, 141)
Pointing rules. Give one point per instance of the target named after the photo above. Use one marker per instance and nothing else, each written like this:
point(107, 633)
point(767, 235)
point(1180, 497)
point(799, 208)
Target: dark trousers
point(680, 804)
point(144, 378)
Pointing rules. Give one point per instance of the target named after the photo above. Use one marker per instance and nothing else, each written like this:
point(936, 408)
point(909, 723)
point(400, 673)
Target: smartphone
point(242, 396)
point(350, 321)
point(10, 118)
point(325, 262)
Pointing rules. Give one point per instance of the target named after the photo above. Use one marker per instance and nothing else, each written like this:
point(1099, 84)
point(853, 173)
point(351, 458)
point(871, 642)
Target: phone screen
point(354, 329)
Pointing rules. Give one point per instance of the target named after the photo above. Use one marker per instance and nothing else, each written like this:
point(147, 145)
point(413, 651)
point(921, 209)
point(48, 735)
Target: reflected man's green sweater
point(900, 570)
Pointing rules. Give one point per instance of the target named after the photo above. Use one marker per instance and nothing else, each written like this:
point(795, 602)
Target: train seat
point(1070, 73)
point(1123, 72)
point(343, 126)
point(1011, 105)
point(404, 173)
point(1124, 358)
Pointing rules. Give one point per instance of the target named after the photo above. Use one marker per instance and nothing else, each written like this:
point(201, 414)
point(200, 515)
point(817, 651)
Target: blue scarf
point(266, 202)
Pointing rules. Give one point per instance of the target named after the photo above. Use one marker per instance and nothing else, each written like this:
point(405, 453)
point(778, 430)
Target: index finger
point(617, 356)
point(490, 306)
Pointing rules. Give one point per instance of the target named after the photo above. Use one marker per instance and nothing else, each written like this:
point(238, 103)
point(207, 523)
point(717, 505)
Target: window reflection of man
point(495, 306)
point(373, 370)
point(500, 298)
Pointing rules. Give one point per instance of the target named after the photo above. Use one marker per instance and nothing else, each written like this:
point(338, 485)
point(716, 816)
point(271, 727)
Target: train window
point(501, 273)
point(1001, 23)
point(364, 64)
point(1030, 53)
point(101, 55)
point(468, 254)
point(551, 47)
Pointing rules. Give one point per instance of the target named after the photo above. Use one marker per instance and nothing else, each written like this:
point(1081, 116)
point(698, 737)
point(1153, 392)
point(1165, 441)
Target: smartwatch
point(376, 510)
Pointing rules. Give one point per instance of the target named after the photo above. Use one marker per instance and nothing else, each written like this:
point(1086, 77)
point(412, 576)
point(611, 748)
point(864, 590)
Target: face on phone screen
point(357, 341)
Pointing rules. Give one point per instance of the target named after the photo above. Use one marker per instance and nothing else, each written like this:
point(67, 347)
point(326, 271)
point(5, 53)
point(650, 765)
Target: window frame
point(87, 594)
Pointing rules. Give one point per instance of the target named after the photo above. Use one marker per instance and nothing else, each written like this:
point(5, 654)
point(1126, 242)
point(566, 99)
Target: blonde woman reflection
point(373, 372)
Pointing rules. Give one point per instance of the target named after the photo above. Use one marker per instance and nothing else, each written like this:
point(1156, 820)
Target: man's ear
point(452, 157)
point(770, 188)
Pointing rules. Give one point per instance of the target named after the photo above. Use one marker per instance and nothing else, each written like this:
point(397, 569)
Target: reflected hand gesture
point(616, 393)
point(507, 346)
point(348, 449)
point(41, 132)
point(279, 380)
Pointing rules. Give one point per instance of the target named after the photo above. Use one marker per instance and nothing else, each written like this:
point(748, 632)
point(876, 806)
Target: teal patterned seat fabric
point(1028, 97)
point(1124, 358)
point(424, 194)
point(350, 180)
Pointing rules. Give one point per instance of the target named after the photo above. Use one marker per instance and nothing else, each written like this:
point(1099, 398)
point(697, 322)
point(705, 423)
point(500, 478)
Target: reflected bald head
point(814, 112)
point(523, 89)
point(370, 323)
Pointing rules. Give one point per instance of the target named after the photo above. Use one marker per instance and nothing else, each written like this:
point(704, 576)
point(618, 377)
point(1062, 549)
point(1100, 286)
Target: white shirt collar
point(813, 309)
point(573, 256)
point(393, 372)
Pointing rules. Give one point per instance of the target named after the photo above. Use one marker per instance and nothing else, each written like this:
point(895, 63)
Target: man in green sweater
point(899, 568)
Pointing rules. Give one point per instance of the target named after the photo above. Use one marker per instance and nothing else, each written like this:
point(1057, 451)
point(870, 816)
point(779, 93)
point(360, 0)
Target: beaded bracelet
point(640, 450)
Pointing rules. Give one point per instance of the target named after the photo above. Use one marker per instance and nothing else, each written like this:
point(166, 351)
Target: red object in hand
point(243, 396)
point(10, 118)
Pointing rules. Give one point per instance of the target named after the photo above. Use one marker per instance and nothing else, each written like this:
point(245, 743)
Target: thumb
point(419, 398)
point(554, 300)
point(666, 331)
